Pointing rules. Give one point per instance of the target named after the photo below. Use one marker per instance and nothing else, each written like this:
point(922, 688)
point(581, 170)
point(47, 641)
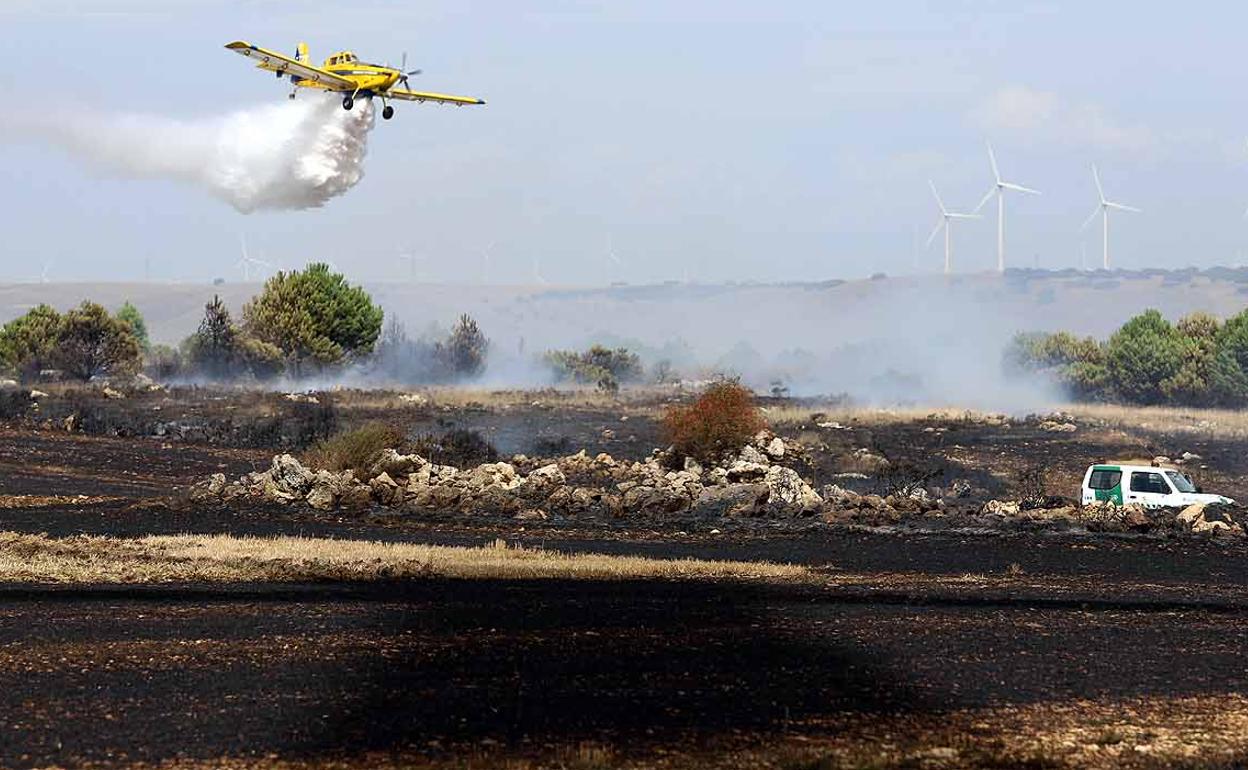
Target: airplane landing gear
point(347, 102)
point(387, 112)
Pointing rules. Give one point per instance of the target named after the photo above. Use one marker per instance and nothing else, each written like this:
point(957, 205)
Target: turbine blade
point(1019, 188)
point(992, 158)
point(1096, 175)
point(1122, 207)
point(1091, 217)
point(988, 196)
point(964, 216)
point(936, 195)
point(935, 232)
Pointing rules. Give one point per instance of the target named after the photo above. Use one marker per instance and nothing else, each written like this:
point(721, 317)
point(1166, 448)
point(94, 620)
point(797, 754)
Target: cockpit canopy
point(342, 57)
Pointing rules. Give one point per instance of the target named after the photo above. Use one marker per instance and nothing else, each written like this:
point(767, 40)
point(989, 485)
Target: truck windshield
point(1180, 481)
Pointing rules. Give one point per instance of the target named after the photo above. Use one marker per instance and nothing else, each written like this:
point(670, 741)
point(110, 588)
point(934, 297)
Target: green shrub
point(131, 315)
point(462, 355)
point(93, 343)
point(1142, 355)
point(354, 450)
point(219, 350)
point(28, 343)
point(604, 367)
point(314, 317)
point(163, 363)
point(721, 420)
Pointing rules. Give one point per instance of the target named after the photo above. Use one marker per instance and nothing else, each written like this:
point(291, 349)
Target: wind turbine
point(43, 274)
point(246, 261)
point(611, 255)
point(998, 189)
point(405, 255)
point(487, 256)
point(1103, 208)
point(945, 223)
point(537, 271)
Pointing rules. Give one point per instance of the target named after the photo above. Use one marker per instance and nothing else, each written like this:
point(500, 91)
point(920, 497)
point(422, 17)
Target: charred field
point(895, 642)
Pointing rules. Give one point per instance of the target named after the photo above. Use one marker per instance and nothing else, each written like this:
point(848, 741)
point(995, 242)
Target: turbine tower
point(1103, 208)
point(998, 189)
point(946, 220)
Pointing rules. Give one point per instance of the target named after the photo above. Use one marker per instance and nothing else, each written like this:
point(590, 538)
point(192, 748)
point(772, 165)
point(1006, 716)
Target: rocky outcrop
point(1204, 519)
point(749, 483)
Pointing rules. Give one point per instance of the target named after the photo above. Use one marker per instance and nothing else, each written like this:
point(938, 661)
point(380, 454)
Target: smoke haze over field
point(928, 341)
point(297, 154)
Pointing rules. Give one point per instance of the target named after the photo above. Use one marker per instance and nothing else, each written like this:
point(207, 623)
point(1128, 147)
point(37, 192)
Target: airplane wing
point(276, 62)
point(421, 96)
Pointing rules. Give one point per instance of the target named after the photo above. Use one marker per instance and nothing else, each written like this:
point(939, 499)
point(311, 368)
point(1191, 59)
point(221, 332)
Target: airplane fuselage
point(369, 78)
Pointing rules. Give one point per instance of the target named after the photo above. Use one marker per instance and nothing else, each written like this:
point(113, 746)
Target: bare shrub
point(1031, 487)
point(722, 420)
point(354, 450)
point(14, 403)
point(904, 479)
point(459, 447)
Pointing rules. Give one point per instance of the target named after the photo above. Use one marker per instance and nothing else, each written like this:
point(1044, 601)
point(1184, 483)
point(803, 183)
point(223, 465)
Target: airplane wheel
point(387, 112)
point(347, 103)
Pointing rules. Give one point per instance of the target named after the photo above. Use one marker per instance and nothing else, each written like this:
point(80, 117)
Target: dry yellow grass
point(790, 416)
point(224, 558)
point(1209, 423)
point(11, 502)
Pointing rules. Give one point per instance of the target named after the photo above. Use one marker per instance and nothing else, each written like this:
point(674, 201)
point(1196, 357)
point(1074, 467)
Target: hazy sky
point(700, 139)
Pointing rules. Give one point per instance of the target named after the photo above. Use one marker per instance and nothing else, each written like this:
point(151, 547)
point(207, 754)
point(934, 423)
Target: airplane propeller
point(403, 73)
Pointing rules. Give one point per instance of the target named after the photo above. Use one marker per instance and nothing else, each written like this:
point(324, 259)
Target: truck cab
point(1146, 485)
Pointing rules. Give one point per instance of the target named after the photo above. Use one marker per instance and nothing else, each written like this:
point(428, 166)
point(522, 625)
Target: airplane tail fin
point(301, 53)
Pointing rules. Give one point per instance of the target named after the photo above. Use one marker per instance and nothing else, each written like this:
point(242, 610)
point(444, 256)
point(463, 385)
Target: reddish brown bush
point(723, 419)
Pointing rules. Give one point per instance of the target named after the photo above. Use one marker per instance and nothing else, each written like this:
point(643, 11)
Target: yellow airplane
point(345, 74)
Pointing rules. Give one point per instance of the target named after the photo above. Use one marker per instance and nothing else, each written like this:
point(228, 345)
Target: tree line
point(302, 323)
point(1197, 361)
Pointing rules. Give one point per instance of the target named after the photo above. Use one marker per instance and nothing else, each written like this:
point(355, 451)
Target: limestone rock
point(1204, 519)
point(655, 499)
point(545, 480)
point(745, 470)
point(385, 490)
point(290, 476)
point(1001, 508)
point(838, 496)
point(355, 496)
point(395, 464)
point(1054, 426)
point(788, 489)
point(776, 448)
point(734, 499)
point(752, 456)
point(321, 498)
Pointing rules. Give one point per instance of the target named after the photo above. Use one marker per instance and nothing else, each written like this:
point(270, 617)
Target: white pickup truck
point(1146, 485)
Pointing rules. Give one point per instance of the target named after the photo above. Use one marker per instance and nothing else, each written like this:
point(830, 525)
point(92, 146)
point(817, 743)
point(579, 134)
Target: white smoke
point(294, 155)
